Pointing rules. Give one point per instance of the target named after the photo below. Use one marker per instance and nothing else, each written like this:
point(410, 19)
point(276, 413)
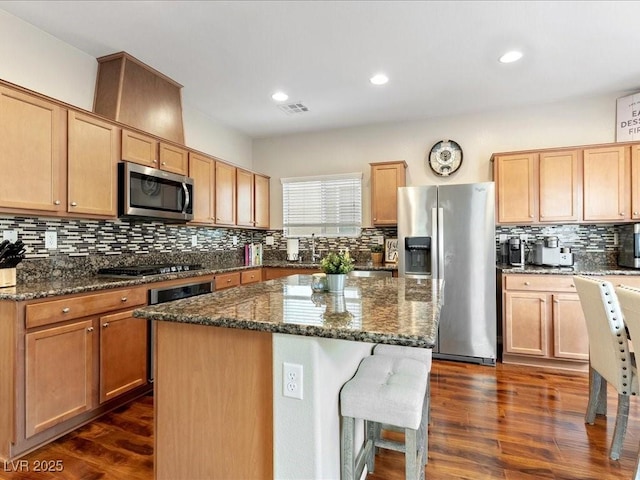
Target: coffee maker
point(516, 252)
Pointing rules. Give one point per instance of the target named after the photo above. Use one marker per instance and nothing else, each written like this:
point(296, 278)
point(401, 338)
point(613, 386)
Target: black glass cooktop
point(144, 270)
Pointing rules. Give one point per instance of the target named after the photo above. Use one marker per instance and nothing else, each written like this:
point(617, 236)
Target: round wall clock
point(445, 158)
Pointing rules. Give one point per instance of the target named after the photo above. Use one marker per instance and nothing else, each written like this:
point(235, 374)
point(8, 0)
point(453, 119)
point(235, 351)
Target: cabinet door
point(59, 374)
point(605, 175)
point(225, 194)
point(139, 148)
point(559, 186)
point(570, 338)
point(635, 182)
point(386, 178)
point(32, 151)
point(227, 280)
point(92, 166)
point(526, 320)
point(244, 198)
point(202, 171)
point(123, 354)
point(261, 199)
point(516, 188)
point(174, 159)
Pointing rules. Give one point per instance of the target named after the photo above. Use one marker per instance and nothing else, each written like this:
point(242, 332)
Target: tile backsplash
point(83, 246)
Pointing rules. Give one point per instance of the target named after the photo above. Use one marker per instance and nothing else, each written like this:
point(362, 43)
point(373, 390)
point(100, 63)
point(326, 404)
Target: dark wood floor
point(507, 422)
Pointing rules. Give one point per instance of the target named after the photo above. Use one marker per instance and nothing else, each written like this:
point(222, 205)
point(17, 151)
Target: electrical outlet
point(11, 235)
point(234, 239)
point(378, 240)
point(524, 237)
point(194, 240)
point(503, 237)
point(50, 239)
point(292, 380)
point(269, 240)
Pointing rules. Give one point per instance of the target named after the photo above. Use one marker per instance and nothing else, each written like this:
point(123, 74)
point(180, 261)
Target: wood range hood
point(130, 92)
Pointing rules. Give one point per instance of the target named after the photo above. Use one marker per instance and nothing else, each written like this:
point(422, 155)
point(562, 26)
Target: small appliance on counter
point(547, 252)
point(516, 252)
point(629, 255)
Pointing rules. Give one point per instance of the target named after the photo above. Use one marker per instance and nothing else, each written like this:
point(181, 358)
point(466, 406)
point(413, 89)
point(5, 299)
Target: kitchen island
point(219, 388)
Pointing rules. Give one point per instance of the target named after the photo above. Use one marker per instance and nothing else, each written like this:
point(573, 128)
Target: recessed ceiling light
point(379, 79)
point(280, 96)
point(512, 56)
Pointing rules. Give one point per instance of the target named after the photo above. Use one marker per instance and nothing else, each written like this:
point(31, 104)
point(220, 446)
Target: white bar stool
point(425, 356)
point(387, 390)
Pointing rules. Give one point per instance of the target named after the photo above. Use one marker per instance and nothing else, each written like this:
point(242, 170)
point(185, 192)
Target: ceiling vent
point(292, 108)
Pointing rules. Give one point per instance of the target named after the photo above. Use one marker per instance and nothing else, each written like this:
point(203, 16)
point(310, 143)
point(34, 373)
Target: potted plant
point(336, 266)
point(376, 254)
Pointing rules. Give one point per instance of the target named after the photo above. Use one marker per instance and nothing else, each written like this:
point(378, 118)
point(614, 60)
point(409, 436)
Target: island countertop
point(389, 310)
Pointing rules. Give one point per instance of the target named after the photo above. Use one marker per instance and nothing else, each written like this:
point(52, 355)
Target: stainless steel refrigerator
point(448, 231)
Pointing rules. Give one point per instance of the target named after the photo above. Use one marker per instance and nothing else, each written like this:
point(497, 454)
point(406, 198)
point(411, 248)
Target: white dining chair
point(629, 299)
point(609, 355)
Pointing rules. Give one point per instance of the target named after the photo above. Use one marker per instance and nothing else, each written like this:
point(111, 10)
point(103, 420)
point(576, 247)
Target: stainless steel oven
point(168, 294)
point(145, 192)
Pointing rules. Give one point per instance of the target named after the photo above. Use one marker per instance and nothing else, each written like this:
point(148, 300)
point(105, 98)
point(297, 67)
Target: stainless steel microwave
point(629, 248)
point(148, 193)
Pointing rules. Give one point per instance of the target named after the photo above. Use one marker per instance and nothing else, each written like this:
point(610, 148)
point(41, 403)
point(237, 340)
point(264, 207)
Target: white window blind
point(328, 205)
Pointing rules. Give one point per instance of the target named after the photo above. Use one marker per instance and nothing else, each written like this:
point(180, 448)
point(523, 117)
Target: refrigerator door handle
point(440, 243)
point(435, 262)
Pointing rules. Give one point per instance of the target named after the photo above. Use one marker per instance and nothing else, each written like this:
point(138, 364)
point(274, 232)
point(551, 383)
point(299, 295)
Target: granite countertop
point(575, 270)
point(380, 310)
point(67, 286)
point(358, 266)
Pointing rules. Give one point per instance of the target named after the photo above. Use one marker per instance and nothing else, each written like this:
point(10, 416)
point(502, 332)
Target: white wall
point(580, 122)
point(33, 59)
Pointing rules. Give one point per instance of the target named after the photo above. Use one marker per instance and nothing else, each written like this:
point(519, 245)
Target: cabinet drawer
point(251, 276)
point(227, 280)
point(628, 280)
point(555, 283)
point(45, 313)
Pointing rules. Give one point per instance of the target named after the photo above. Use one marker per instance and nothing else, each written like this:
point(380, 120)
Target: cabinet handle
point(57, 202)
point(622, 214)
point(66, 310)
point(90, 329)
point(123, 299)
point(635, 213)
point(572, 286)
point(374, 218)
point(74, 204)
point(527, 283)
point(105, 324)
point(530, 216)
point(228, 280)
point(154, 161)
point(164, 163)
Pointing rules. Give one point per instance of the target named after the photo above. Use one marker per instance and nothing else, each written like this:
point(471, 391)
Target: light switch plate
point(268, 240)
point(11, 235)
point(194, 240)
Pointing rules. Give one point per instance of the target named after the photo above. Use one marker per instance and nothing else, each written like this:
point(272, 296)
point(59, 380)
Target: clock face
point(445, 158)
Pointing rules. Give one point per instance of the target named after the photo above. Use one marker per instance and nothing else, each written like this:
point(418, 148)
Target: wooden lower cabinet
point(269, 273)
point(59, 374)
point(123, 354)
point(65, 361)
point(543, 322)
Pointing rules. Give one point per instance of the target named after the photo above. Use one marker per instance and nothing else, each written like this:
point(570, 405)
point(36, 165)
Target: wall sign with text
point(628, 118)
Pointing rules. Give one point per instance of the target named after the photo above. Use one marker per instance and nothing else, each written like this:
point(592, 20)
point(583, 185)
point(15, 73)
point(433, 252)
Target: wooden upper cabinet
point(516, 188)
point(606, 185)
point(262, 201)
point(202, 171)
point(174, 159)
point(244, 198)
point(32, 153)
point(559, 186)
point(139, 148)
point(123, 354)
point(635, 182)
point(225, 191)
point(386, 178)
point(93, 151)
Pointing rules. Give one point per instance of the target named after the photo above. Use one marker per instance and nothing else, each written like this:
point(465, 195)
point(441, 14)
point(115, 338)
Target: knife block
point(7, 277)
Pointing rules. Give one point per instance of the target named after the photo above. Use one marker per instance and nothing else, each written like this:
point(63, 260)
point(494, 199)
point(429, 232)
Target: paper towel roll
point(292, 248)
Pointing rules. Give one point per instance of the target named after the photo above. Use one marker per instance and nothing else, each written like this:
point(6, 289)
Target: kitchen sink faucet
point(314, 256)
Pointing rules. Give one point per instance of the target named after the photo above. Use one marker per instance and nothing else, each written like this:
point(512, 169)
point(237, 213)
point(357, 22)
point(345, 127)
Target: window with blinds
point(328, 205)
